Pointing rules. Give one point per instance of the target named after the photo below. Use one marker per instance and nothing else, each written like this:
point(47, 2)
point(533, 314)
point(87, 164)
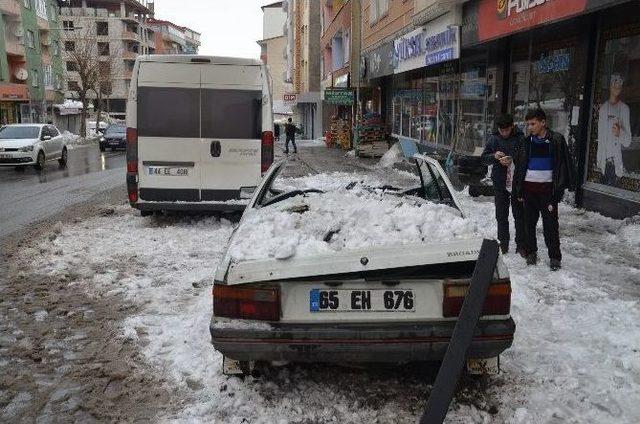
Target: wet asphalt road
point(27, 195)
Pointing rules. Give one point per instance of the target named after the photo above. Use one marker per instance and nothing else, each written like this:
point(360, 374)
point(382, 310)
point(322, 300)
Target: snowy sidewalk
point(575, 358)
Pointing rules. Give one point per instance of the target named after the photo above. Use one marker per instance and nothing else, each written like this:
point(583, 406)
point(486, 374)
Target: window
point(104, 69)
point(69, 46)
point(53, 131)
point(73, 86)
point(168, 112)
point(27, 4)
point(72, 67)
point(103, 49)
point(56, 48)
point(41, 8)
point(48, 76)
point(31, 39)
point(58, 82)
point(68, 25)
point(102, 28)
point(378, 9)
point(231, 113)
point(35, 77)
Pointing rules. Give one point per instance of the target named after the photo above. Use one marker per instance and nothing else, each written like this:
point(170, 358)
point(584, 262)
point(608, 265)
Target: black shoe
point(532, 259)
point(555, 264)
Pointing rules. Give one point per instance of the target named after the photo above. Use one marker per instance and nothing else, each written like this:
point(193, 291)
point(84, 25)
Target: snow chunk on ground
point(344, 219)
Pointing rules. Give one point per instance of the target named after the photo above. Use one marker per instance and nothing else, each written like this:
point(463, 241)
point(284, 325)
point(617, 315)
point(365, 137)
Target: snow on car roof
point(343, 219)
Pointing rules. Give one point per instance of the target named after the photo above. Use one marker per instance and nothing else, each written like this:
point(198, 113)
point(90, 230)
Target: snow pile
point(393, 155)
point(344, 219)
point(72, 139)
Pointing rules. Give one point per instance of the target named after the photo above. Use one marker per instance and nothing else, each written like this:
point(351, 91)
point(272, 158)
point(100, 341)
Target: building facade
point(273, 53)
point(440, 72)
point(303, 64)
point(31, 73)
point(173, 39)
point(121, 30)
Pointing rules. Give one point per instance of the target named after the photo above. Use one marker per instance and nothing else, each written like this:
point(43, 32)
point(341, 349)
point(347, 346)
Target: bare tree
point(108, 72)
point(81, 55)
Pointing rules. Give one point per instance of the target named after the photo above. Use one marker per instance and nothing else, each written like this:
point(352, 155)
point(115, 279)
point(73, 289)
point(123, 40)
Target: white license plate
point(168, 171)
point(376, 300)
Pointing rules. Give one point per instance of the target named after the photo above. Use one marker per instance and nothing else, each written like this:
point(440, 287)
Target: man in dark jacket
point(499, 152)
point(542, 174)
point(290, 133)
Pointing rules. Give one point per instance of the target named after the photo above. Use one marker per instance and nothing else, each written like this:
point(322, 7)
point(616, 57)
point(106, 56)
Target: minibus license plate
point(375, 300)
point(168, 171)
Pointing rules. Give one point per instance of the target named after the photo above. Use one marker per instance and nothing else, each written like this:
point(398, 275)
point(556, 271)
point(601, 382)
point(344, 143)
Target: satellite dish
point(22, 74)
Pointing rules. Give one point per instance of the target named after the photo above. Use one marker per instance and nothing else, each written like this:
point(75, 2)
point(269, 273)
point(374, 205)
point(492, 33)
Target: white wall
point(273, 21)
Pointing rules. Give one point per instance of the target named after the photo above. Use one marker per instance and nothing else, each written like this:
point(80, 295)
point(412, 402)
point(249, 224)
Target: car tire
point(102, 148)
point(63, 159)
point(146, 213)
point(39, 165)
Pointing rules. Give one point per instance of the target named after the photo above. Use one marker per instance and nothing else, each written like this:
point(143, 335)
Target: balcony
point(130, 35)
point(14, 47)
point(129, 55)
point(10, 7)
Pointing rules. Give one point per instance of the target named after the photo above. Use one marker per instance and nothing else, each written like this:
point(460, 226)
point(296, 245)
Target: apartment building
point(302, 29)
point(174, 39)
point(31, 73)
point(121, 31)
point(273, 54)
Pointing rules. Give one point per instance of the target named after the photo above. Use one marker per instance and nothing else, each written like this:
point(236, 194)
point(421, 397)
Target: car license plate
point(168, 171)
point(375, 300)
point(5, 156)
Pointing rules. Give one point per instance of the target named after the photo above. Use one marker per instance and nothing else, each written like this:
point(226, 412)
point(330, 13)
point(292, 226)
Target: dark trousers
point(286, 146)
point(535, 205)
point(503, 199)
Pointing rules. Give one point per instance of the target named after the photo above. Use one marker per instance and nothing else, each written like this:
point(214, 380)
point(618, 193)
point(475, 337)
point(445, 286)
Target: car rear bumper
point(190, 206)
point(356, 343)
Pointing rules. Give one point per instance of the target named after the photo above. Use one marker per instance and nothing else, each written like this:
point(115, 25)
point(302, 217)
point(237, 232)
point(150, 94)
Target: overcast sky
point(228, 27)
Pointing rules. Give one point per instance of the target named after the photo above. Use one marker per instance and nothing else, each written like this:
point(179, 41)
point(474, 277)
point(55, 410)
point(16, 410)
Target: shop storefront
point(578, 62)
point(423, 103)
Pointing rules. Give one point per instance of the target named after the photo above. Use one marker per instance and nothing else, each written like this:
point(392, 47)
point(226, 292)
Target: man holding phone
point(500, 150)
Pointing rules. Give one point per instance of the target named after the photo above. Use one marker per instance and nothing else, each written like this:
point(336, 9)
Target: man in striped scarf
point(542, 174)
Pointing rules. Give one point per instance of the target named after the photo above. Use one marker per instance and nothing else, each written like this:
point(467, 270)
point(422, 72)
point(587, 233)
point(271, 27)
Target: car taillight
point(497, 302)
point(246, 303)
point(132, 164)
point(267, 150)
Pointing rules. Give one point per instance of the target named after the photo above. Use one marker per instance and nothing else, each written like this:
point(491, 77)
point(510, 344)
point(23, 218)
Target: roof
point(274, 4)
point(152, 21)
point(188, 58)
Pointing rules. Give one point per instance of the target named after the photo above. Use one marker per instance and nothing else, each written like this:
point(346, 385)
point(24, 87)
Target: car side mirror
point(46, 137)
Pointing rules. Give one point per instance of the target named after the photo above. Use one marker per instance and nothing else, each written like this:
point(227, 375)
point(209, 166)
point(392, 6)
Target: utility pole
point(358, 65)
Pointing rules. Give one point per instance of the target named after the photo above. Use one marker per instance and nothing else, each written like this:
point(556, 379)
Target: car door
point(231, 130)
point(56, 141)
point(168, 121)
point(435, 183)
point(46, 144)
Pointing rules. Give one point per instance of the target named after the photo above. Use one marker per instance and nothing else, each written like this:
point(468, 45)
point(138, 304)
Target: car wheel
point(102, 148)
point(40, 161)
point(63, 159)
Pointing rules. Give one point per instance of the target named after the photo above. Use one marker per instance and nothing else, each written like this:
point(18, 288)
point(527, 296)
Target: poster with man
point(614, 132)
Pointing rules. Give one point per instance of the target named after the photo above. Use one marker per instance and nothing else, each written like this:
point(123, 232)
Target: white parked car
point(319, 271)
point(31, 144)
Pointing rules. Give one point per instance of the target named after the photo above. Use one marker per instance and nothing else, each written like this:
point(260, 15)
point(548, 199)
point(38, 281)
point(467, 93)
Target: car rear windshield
point(194, 113)
point(116, 129)
point(10, 132)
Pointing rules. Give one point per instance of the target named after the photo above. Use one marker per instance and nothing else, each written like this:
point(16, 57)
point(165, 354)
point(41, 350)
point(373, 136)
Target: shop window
point(614, 149)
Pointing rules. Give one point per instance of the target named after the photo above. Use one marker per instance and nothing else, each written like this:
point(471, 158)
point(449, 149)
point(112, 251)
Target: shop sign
point(488, 19)
point(435, 43)
point(339, 97)
point(380, 61)
point(289, 98)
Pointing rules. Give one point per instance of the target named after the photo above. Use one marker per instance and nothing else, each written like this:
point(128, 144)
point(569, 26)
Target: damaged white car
point(321, 269)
